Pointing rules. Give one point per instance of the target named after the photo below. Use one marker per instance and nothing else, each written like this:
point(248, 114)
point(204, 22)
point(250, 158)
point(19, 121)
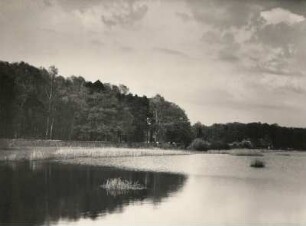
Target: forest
point(251, 135)
point(39, 103)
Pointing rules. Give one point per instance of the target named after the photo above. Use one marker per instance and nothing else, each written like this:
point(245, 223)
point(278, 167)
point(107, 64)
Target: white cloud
point(279, 15)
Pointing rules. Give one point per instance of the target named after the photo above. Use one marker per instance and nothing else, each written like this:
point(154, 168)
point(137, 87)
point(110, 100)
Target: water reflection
point(35, 193)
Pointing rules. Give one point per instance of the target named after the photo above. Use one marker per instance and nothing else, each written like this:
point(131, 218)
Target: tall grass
point(121, 184)
point(246, 152)
point(112, 152)
point(257, 163)
point(72, 153)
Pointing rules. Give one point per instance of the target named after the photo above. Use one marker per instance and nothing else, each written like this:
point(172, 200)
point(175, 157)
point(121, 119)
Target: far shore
point(15, 144)
point(30, 143)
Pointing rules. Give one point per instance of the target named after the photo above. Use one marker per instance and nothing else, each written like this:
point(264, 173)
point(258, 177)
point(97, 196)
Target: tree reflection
point(33, 193)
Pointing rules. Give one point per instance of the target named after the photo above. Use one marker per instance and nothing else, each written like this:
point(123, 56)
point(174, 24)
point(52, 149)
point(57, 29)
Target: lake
point(196, 189)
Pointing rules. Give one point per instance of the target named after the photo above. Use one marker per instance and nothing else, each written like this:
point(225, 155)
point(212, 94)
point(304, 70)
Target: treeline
point(41, 104)
point(251, 135)
point(36, 103)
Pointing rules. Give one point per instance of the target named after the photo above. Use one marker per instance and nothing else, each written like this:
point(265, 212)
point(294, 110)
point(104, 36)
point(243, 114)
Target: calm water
point(201, 189)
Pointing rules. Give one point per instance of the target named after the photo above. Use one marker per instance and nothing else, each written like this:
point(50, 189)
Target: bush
point(199, 144)
point(242, 144)
point(219, 145)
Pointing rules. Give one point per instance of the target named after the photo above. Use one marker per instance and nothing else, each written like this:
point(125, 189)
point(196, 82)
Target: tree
point(170, 123)
point(50, 92)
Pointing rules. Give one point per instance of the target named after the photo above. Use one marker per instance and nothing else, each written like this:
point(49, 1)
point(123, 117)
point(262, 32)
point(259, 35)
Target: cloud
point(228, 56)
point(108, 22)
point(223, 45)
point(223, 13)
point(257, 106)
point(96, 42)
point(279, 15)
point(48, 2)
point(171, 52)
point(80, 5)
point(277, 35)
point(233, 13)
point(126, 49)
point(279, 48)
point(183, 16)
point(111, 12)
point(256, 36)
point(125, 14)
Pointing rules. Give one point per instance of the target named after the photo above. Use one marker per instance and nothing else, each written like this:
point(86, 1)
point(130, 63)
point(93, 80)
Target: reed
point(43, 153)
point(246, 152)
point(118, 184)
point(257, 163)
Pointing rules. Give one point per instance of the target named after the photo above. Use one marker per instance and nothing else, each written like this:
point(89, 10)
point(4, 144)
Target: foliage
point(219, 145)
point(36, 103)
point(41, 104)
point(246, 143)
point(252, 135)
point(169, 123)
point(199, 144)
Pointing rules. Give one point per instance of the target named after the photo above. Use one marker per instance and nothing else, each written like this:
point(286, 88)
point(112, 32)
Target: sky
point(220, 60)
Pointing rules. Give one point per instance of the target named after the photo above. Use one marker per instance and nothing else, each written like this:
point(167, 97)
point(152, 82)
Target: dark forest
point(38, 103)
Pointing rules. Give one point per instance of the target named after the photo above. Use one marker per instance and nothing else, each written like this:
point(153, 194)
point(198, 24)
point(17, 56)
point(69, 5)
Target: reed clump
point(257, 163)
point(118, 184)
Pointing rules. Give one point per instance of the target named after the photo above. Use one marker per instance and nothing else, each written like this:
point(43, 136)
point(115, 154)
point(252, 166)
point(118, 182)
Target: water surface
point(38, 193)
point(199, 189)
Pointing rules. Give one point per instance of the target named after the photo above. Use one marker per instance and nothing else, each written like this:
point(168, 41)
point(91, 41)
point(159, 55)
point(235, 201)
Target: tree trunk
point(47, 128)
point(51, 129)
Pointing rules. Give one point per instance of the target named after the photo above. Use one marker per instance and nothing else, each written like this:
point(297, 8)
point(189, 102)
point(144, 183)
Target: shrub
point(243, 144)
point(219, 145)
point(199, 144)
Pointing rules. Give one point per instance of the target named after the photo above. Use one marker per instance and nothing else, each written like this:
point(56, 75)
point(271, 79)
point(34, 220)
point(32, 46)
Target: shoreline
point(25, 144)
point(22, 143)
point(62, 153)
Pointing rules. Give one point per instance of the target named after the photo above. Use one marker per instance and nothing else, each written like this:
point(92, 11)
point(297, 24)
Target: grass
point(44, 153)
point(118, 184)
point(257, 163)
point(283, 154)
point(245, 152)
point(113, 152)
point(239, 152)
